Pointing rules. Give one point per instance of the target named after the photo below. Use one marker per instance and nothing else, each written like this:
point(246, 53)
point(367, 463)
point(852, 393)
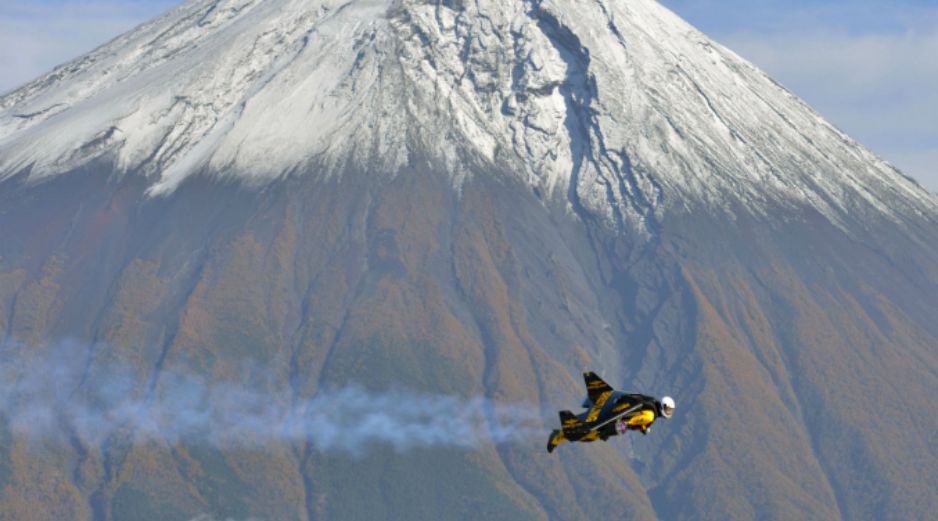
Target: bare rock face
point(463, 199)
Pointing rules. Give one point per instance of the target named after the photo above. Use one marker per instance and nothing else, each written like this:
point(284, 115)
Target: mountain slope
point(476, 199)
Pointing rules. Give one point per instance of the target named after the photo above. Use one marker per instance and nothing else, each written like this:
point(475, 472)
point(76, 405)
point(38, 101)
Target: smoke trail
point(207, 517)
point(51, 397)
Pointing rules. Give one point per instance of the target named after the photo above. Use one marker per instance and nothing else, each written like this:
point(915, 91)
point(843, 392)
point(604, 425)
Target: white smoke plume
point(53, 397)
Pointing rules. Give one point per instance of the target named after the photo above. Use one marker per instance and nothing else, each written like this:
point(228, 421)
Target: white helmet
point(667, 406)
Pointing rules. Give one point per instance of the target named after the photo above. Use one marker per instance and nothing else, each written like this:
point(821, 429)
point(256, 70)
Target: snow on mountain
point(619, 106)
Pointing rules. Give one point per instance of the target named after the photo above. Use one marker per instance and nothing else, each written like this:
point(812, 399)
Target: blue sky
point(869, 66)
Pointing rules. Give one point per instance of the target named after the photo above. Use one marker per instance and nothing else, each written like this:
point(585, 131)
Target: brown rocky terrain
point(802, 357)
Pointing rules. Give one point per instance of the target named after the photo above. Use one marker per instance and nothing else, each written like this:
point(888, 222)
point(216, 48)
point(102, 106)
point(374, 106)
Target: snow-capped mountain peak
point(620, 107)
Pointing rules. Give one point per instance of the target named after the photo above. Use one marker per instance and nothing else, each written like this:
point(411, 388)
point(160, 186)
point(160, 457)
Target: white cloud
point(846, 66)
point(37, 36)
point(882, 89)
point(920, 164)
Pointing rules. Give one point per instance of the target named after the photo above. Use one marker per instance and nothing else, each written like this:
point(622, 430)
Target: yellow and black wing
point(573, 428)
point(599, 391)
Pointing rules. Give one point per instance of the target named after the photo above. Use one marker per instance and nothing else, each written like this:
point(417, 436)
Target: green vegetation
point(5, 441)
point(228, 496)
point(379, 364)
point(429, 484)
point(132, 503)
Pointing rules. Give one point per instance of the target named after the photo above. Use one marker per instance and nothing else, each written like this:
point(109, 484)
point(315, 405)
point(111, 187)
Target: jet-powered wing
point(608, 413)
